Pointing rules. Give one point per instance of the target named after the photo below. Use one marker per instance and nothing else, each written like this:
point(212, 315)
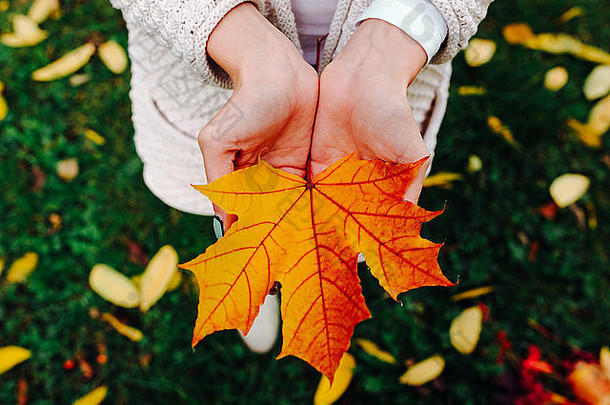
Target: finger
point(415, 188)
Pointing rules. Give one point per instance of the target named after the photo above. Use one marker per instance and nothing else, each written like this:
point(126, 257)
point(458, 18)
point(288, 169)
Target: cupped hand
point(363, 103)
point(272, 108)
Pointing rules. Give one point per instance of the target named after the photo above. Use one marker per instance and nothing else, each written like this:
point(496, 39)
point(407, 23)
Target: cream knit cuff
point(419, 19)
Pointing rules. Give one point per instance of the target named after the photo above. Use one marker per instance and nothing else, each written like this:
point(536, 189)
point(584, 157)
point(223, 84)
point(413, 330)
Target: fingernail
point(218, 227)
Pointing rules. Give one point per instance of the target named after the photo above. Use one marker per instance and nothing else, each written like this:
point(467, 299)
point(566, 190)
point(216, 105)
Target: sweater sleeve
point(462, 18)
point(184, 26)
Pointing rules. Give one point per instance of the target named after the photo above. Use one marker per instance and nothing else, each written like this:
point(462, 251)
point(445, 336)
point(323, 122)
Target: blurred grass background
point(490, 224)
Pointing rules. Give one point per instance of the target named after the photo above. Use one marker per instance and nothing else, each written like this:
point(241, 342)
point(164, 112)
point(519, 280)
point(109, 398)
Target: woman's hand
point(363, 101)
point(275, 96)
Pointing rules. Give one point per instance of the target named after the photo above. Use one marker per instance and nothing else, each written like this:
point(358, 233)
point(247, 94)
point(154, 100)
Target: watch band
point(420, 19)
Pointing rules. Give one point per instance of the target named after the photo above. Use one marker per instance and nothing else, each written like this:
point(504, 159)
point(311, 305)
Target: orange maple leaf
point(307, 236)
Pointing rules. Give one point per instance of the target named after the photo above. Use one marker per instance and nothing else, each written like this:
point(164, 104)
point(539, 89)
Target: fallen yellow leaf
point(498, 127)
point(475, 164)
point(42, 9)
point(66, 65)
point(599, 116)
point(3, 104)
point(114, 286)
point(517, 33)
point(10, 356)
point(471, 90)
point(22, 268)
point(558, 43)
point(95, 397)
point(94, 137)
point(4, 5)
point(590, 384)
point(67, 169)
point(597, 83)
point(477, 292)
point(114, 57)
point(570, 14)
point(465, 330)
point(556, 78)
point(175, 281)
point(328, 393)
point(479, 51)
point(586, 133)
point(125, 330)
point(424, 371)
point(373, 350)
point(442, 179)
point(157, 276)
point(26, 33)
point(568, 188)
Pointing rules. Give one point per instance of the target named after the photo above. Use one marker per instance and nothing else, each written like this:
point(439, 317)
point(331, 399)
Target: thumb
point(416, 186)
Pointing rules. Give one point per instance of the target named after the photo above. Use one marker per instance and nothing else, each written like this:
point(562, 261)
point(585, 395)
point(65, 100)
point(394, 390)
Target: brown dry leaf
point(471, 90)
point(94, 137)
point(479, 51)
point(157, 276)
point(424, 371)
point(597, 83)
point(477, 292)
point(517, 33)
point(42, 9)
point(372, 349)
point(568, 188)
point(599, 116)
point(590, 384)
point(327, 394)
point(22, 268)
point(10, 356)
point(556, 78)
point(67, 169)
point(114, 286)
point(130, 332)
point(114, 57)
point(66, 65)
point(570, 14)
point(465, 330)
point(586, 133)
point(442, 179)
point(558, 43)
point(95, 397)
point(25, 33)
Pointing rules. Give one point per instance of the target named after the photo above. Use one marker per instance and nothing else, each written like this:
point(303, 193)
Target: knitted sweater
point(177, 88)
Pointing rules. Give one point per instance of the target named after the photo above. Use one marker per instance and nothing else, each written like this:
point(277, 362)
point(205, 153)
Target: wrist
point(380, 48)
point(246, 45)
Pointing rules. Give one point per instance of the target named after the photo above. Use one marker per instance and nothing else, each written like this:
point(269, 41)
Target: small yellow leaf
point(465, 330)
point(10, 356)
point(373, 350)
point(22, 268)
point(568, 188)
point(327, 394)
point(42, 9)
point(26, 33)
point(67, 169)
point(479, 51)
point(563, 43)
point(95, 397)
point(498, 127)
point(175, 281)
point(475, 164)
point(157, 276)
point(597, 83)
point(1, 265)
point(3, 108)
point(570, 14)
point(66, 65)
point(556, 78)
point(94, 137)
point(517, 33)
point(442, 179)
point(477, 292)
point(471, 90)
point(599, 116)
point(424, 371)
point(114, 286)
point(4, 5)
point(125, 330)
point(586, 133)
point(604, 360)
point(79, 79)
point(114, 57)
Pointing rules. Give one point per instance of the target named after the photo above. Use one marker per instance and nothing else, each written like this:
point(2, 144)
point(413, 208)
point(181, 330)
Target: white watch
point(419, 19)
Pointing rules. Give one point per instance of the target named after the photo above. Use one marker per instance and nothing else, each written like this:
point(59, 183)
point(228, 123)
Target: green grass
point(488, 217)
